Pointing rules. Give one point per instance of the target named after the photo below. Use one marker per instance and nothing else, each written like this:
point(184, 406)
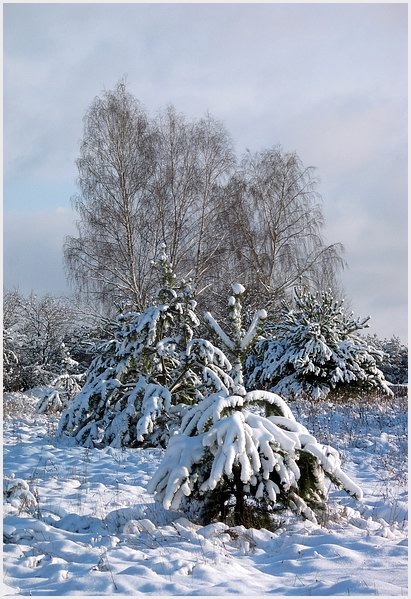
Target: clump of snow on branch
point(17, 492)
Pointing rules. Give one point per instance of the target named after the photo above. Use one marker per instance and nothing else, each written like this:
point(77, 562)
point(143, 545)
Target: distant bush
point(34, 331)
point(60, 393)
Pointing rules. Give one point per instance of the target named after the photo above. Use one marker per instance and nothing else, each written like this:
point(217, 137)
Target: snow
point(209, 318)
point(95, 530)
point(237, 288)
point(252, 331)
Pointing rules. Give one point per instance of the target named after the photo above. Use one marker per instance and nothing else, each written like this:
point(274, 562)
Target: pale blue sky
point(329, 81)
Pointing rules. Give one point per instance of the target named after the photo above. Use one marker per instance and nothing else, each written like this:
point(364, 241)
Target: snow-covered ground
point(86, 526)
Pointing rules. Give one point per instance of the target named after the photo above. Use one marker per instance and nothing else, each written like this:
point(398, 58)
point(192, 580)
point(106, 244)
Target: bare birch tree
point(110, 257)
point(274, 219)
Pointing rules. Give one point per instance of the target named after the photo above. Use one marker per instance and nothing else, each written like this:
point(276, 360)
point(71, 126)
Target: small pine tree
point(140, 382)
point(242, 453)
point(316, 348)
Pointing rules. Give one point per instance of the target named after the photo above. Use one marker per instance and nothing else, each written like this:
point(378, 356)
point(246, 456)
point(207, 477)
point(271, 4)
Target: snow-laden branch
point(250, 335)
point(219, 331)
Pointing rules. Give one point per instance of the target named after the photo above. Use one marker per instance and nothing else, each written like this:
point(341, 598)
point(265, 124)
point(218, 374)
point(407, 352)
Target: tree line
point(44, 335)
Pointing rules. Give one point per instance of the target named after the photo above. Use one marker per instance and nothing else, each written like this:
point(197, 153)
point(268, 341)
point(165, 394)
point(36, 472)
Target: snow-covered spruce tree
point(394, 364)
point(316, 348)
point(242, 454)
point(139, 383)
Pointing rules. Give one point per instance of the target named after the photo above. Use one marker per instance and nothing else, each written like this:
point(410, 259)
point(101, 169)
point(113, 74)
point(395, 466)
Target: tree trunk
point(239, 510)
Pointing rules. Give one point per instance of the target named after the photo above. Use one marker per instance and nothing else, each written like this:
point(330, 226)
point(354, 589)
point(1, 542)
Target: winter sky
point(326, 80)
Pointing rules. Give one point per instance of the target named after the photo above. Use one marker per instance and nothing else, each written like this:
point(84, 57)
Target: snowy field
point(80, 522)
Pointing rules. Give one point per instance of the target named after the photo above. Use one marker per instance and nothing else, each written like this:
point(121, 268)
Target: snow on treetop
point(237, 288)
